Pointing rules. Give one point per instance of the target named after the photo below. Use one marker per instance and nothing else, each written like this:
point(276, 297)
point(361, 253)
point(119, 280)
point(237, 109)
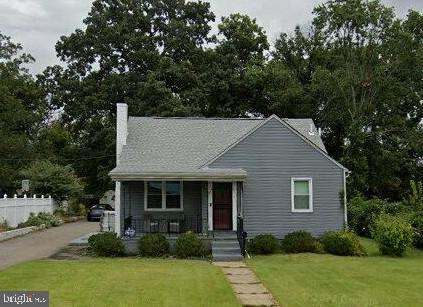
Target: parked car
point(96, 211)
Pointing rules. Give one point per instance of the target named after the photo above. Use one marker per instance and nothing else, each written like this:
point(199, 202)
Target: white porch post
point(234, 205)
point(117, 207)
point(121, 135)
point(210, 205)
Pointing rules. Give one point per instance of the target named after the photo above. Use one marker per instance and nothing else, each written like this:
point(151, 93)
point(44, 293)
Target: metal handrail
point(242, 235)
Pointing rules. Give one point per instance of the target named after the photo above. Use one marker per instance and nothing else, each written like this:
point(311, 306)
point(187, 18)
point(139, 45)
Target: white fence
point(16, 210)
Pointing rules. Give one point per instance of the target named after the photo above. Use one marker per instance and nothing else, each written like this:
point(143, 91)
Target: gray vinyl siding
point(133, 202)
point(272, 155)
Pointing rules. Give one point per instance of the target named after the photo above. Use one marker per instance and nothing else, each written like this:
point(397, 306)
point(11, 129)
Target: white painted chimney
point(121, 128)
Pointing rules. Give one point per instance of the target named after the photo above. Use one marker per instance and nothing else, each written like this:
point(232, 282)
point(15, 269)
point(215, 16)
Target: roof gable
point(301, 131)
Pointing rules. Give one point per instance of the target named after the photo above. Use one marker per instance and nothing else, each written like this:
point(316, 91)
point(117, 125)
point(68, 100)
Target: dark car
point(96, 211)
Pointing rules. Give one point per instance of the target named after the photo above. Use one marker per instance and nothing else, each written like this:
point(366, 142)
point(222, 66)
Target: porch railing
point(168, 225)
point(242, 235)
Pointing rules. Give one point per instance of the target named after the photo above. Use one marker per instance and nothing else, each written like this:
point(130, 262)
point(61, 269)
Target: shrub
point(393, 234)
point(106, 244)
point(342, 243)
point(153, 245)
point(417, 224)
point(299, 242)
point(362, 213)
point(397, 208)
point(75, 209)
point(415, 198)
point(263, 244)
point(189, 245)
point(41, 218)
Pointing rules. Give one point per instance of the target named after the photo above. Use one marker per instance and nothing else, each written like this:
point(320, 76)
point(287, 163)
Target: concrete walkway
point(41, 244)
point(249, 290)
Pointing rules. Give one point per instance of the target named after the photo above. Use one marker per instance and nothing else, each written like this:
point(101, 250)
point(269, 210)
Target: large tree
point(22, 109)
point(157, 56)
point(357, 71)
point(362, 71)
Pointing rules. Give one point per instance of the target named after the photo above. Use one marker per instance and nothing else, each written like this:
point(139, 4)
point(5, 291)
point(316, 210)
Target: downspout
point(346, 174)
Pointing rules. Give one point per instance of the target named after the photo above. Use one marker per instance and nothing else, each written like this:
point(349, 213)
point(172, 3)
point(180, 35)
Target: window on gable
point(163, 195)
point(302, 195)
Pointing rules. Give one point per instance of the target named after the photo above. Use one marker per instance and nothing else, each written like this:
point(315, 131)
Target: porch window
point(163, 195)
point(173, 195)
point(301, 195)
point(154, 195)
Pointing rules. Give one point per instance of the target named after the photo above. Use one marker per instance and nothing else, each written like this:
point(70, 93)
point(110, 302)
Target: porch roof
point(188, 175)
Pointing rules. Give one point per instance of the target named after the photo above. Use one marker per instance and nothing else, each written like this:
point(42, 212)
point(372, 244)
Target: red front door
point(222, 206)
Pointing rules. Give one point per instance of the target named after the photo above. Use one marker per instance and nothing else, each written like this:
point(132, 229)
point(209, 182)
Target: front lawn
point(123, 282)
point(326, 280)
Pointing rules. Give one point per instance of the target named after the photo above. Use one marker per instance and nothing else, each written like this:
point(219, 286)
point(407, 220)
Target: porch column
point(234, 205)
point(210, 205)
point(117, 207)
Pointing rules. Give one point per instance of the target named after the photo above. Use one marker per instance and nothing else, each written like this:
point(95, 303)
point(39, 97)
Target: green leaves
point(22, 110)
point(52, 179)
point(362, 70)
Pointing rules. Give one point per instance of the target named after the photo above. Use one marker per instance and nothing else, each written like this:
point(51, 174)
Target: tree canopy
point(22, 110)
point(357, 71)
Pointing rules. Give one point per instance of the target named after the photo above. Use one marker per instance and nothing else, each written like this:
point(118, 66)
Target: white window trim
point(163, 208)
point(310, 189)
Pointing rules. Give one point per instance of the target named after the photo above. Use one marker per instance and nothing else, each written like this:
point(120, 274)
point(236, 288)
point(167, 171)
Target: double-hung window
point(301, 195)
point(163, 195)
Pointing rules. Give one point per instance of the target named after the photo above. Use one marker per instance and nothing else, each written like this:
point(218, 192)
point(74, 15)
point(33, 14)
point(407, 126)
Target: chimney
point(121, 128)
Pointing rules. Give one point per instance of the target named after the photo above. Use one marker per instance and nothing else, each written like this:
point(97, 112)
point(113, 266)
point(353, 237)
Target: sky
point(38, 24)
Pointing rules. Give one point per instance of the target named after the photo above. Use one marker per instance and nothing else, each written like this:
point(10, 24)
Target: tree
point(52, 179)
point(362, 70)
point(241, 46)
point(154, 56)
point(145, 53)
point(22, 109)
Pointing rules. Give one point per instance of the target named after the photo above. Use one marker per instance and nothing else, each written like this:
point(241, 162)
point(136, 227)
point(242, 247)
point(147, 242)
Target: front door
point(222, 205)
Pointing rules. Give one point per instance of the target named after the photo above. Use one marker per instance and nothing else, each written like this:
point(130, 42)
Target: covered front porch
point(172, 206)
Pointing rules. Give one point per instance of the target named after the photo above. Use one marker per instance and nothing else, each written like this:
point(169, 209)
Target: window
point(154, 195)
point(163, 195)
point(301, 195)
point(173, 195)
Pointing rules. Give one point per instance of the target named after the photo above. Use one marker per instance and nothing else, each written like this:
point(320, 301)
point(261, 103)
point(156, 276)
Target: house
point(201, 174)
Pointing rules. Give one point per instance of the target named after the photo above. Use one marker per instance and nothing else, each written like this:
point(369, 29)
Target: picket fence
point(17, 209)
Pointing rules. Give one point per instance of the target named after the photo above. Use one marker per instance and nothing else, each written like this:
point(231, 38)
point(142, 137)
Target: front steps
point(225, 247)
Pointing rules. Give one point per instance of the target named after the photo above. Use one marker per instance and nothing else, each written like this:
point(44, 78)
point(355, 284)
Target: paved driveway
point(43, 243)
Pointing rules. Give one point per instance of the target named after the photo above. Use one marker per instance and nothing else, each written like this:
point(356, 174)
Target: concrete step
point(225, 235)
point(225, 243)
point(227, 257)
point(230, 250)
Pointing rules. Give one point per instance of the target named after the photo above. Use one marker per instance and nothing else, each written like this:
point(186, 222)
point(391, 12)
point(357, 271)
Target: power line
point(59, 159)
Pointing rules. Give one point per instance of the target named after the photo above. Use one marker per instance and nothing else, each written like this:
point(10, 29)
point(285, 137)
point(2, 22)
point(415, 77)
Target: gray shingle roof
point(184, 145)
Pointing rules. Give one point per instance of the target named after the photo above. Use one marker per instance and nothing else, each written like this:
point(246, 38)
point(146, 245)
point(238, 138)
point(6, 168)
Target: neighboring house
point(108, 198)
point(200, 174)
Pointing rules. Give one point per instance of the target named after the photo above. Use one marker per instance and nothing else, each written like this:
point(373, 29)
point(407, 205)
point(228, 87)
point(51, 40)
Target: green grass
point(326, 280)
point(123, 282)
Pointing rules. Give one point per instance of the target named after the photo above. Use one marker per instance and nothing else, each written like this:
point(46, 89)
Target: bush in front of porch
point(189, 245)
point(106, 244)
point(153, 245)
